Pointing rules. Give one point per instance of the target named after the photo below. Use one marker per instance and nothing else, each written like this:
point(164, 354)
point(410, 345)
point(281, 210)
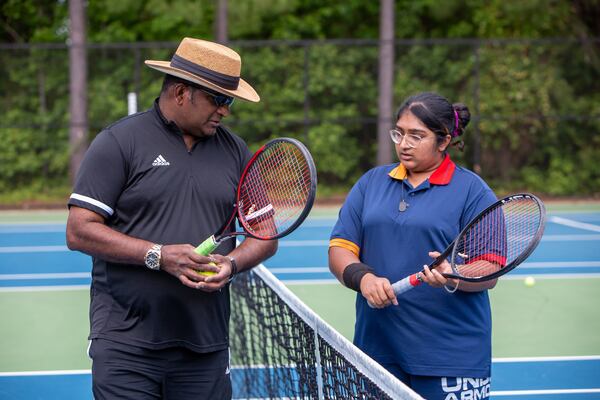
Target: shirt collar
point(170, 125)
point(441, 176)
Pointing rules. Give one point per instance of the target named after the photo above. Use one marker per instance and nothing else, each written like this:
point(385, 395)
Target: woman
point(394, 220)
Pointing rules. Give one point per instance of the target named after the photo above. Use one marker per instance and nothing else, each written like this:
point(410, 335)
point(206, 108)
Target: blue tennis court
point(34, 259)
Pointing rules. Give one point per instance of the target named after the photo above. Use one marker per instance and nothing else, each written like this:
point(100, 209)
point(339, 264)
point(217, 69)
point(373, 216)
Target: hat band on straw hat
point(225, 81)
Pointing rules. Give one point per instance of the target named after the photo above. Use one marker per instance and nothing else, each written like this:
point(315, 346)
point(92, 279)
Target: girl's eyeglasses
point(412, 141)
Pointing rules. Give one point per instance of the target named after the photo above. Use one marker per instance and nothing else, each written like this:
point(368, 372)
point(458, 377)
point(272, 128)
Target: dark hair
point(437, 114)
point(171, 80)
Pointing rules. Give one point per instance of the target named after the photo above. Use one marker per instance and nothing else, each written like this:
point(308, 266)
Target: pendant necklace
point(403, 205)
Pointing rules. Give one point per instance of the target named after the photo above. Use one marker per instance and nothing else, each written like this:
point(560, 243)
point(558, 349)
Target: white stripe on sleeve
point(93, 202)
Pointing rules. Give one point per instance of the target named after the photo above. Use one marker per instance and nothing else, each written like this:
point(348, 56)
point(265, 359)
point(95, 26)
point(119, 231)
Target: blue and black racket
point(494, 243)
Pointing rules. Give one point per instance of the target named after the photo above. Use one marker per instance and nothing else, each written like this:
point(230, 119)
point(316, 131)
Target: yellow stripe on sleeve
point(346, 244)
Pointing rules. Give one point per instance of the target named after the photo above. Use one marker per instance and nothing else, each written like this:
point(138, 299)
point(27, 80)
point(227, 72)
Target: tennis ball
point(529, 281)
point(208, 273)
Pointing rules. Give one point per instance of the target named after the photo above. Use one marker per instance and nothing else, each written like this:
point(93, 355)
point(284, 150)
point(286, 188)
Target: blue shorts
point(443, 388)
point(120, 371)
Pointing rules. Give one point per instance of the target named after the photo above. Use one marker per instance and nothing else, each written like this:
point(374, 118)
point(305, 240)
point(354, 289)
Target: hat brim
point(244, 90)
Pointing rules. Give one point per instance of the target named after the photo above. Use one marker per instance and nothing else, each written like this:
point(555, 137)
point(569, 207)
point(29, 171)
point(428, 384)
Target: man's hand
point(216, 282)
point(181, 261)
point(377, 291)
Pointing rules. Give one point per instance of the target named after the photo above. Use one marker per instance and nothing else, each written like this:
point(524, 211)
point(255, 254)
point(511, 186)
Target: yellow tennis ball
point(208, 273)
point(529, 281)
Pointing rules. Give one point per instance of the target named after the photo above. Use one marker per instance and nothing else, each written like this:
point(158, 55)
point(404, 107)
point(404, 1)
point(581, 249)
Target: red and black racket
point(495, 242)
point(275, 194)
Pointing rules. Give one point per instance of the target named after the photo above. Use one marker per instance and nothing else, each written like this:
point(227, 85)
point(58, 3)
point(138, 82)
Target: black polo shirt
point(139, 175)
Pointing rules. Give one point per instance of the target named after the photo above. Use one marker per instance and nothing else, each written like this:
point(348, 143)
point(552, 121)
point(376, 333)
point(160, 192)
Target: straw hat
point(208, 64)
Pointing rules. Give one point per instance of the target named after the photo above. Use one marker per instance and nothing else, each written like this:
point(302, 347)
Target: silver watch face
point(153, 259)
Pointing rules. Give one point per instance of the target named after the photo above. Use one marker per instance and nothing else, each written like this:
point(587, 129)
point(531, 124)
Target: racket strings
point(498, 239)
point(275, 190)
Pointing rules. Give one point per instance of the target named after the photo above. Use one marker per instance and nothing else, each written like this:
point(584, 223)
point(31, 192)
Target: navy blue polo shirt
point(431, 332)
point(139, 175)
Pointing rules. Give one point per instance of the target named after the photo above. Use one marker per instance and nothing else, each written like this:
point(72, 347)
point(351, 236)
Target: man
point(152, 186)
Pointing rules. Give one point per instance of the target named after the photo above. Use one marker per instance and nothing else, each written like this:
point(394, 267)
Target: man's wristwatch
point(152, 258)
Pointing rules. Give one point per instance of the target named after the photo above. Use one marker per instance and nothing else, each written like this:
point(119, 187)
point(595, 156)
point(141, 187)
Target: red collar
point(441, 176)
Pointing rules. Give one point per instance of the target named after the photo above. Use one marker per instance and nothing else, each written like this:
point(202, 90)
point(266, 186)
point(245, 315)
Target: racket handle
point(403, 285)
point(207, 247)
point(406, 284)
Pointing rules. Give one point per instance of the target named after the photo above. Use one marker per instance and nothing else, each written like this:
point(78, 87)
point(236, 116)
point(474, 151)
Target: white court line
point(494, 360)
point(57, 288)
point(551, 276)
point(541, 391)
point(574, 224)
point(32, 249)
point(66, 275)
point(543, 359)
point(549, 264)
point(569, 238)
point(42, 373)
point(312, 270)
point(282, 243)
point(332, 281)
point(559, 264)
point(298, 270)
point(292, 282)
point(288, 282)
point(493, 392)
point(319, 222)
point(545, 238)
point(303, 243)
point(54, 228)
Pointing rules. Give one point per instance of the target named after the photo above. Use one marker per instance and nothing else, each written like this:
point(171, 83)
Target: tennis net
point(280, 349)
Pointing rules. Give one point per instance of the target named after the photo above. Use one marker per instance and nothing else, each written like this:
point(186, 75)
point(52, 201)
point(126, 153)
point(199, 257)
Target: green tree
point(535, 101)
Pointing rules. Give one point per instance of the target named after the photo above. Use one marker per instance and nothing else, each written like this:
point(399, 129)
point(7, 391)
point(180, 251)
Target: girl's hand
point(378, 291)
point(433, 277)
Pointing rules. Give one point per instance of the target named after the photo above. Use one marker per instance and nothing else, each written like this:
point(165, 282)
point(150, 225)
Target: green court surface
point(543, 320)
point(33, 216)
point(586, 206)
point(44, 330)
point(48, 330)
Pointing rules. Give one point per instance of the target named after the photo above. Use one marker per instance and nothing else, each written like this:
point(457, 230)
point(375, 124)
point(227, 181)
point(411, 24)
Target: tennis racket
point(495, 242)
point(275, 194)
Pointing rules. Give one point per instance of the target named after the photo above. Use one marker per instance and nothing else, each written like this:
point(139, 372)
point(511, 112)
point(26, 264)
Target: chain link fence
point(535, 105)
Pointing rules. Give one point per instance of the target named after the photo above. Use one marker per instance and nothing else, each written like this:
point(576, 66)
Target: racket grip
point(207, 247)
point(403, 285)
point(406, 284)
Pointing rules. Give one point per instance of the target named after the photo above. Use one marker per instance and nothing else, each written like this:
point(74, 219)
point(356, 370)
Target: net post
point(131, 103)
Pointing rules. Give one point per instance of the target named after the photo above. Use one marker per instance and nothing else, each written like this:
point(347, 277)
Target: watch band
point(234, 268)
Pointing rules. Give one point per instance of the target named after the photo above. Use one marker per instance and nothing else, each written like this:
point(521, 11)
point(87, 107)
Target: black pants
point(125, 372)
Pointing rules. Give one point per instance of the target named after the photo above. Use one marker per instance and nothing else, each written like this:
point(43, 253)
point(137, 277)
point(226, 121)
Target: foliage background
point(529, 71)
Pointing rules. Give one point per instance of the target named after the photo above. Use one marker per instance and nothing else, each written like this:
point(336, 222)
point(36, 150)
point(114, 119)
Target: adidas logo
point(160, 161)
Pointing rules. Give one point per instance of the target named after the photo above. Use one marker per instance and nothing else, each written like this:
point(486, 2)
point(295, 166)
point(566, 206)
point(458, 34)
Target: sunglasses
point(219, 98)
